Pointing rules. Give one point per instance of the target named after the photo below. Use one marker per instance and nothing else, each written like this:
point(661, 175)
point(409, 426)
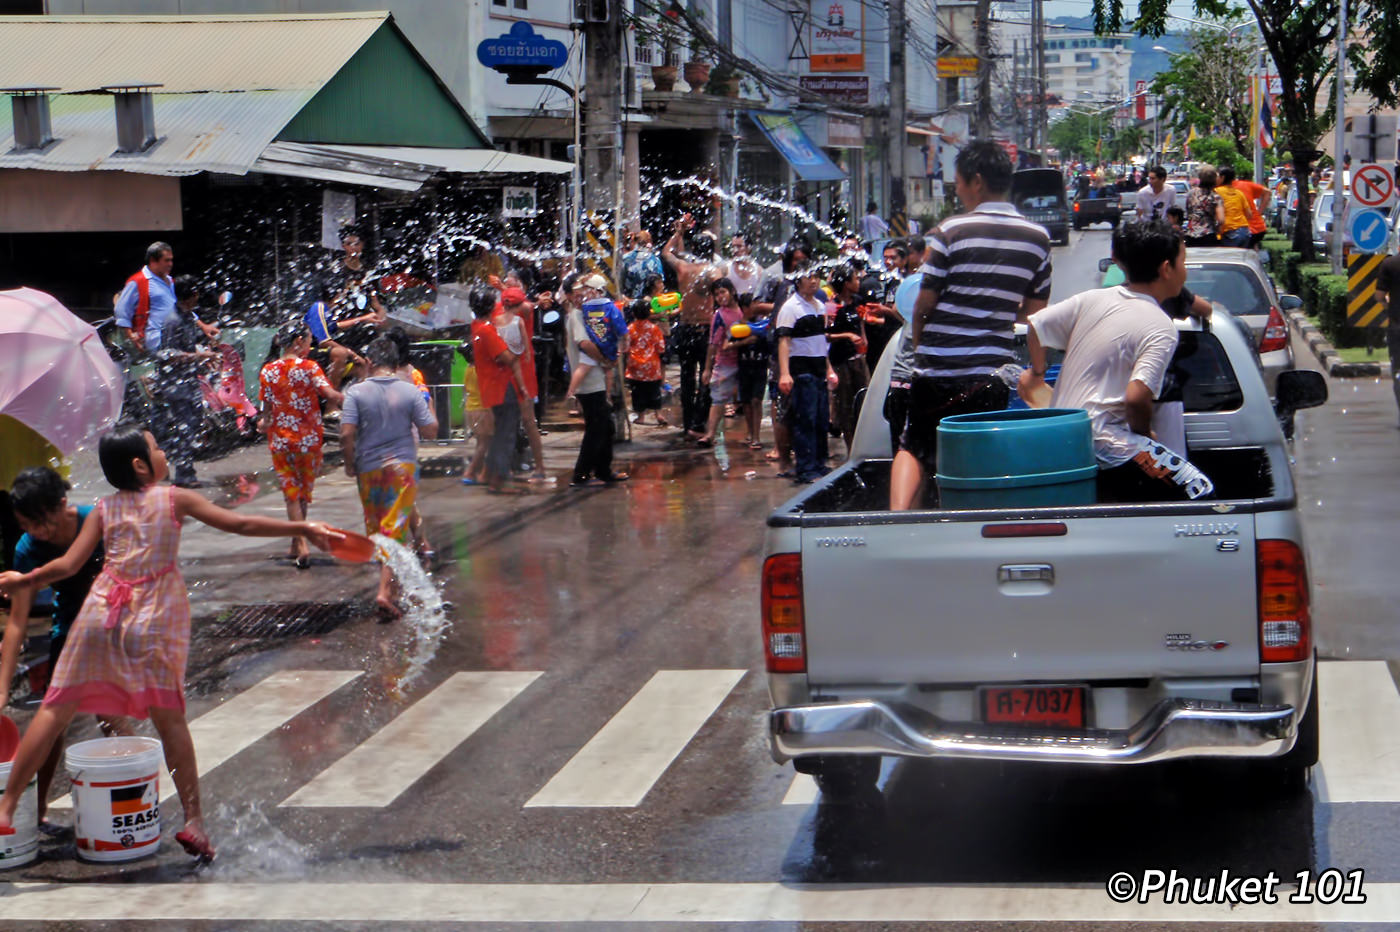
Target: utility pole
point(1338, 188)
point(984, 69)
point(602, 103)
point(896, 147)
point(602, 142)
point(1041, 115)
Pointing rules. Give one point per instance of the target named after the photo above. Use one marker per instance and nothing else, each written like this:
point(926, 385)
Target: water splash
point(424, 610)
point(252, 848)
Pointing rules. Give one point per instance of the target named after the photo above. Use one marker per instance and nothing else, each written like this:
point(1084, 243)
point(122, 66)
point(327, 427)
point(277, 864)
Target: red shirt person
point(501, 382)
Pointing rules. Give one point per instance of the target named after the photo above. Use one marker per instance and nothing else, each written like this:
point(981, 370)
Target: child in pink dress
point(126, 651)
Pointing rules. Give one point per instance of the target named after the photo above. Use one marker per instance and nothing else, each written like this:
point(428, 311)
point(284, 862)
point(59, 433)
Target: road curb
point(1327, 355)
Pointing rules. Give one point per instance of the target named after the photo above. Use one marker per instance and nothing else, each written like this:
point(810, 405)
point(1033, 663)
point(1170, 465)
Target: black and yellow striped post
point(1364, 309)
point(600, 244)
point(899, 224)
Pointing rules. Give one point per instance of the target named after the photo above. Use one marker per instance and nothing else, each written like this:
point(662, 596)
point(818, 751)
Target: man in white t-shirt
point(1118, 344)
point(1156, 196)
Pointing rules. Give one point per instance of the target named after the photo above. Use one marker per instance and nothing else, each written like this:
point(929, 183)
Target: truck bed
point(1242, 476)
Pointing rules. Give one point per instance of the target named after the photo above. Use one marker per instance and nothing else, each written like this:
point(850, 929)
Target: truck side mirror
point(1105, 264)
point(1299, 389)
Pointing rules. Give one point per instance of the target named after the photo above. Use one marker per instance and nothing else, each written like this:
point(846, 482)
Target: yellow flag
point(1167, 143)
point(1190, 137)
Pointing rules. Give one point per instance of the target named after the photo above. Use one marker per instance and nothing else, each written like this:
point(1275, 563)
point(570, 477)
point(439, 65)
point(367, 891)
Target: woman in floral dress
point(292, 389)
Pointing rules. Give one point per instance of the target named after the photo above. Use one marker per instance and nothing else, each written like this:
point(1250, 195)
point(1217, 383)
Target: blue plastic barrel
point(1016, 458)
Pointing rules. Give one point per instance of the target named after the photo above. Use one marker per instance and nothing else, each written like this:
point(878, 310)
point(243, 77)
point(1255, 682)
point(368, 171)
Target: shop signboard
point(838, 37)
point(518, 202)
point(847, 88)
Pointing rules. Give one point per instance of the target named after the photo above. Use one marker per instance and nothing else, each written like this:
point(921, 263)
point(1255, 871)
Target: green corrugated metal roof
point(385, 95)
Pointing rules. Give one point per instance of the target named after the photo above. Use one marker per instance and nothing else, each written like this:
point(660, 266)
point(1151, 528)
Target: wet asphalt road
point(600, 592)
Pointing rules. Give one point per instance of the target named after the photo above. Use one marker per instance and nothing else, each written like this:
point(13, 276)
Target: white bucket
point(23, 846)
point(116, 797)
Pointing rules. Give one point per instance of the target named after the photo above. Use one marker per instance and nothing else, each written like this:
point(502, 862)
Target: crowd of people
point(801, 336)
point(1220, 208)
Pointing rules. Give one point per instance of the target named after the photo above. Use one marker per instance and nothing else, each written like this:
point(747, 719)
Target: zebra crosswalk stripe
point(399, 754)
point(619, 765)
point(1359, 711)
point(415, 904)
point(234, 725)
point(803, 791)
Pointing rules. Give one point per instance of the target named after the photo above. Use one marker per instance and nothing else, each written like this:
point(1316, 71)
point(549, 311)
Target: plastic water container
point(1052, 373)
point(1016, 458)
point(116, 797)
point(23, 846)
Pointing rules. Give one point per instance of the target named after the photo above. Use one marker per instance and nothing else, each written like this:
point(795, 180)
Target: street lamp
point(1156, 118)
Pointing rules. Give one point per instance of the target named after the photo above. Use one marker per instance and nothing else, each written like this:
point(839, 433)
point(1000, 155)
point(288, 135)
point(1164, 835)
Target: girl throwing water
point(126, 651)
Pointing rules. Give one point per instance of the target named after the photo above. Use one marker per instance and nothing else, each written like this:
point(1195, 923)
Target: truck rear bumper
point(1174, 728)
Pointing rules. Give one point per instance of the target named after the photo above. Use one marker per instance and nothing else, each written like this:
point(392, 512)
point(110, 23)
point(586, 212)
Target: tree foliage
point(1220, 151)
point(1076, 134)
point(1207, 86)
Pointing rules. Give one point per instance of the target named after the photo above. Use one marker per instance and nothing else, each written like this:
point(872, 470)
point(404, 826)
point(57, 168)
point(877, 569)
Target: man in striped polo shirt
point(986, 269)
point(805, 373)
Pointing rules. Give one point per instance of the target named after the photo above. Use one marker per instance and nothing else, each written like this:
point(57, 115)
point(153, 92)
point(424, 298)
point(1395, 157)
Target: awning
point(397, 168)
point(466, 161)
point(809, 161)
point(321, 163)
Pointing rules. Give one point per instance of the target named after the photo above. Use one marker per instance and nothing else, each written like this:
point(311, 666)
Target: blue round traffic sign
point(1368, 230)
point(522, 47)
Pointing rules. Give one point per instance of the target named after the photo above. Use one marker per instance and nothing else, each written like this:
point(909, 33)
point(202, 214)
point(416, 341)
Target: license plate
point(1061, 706)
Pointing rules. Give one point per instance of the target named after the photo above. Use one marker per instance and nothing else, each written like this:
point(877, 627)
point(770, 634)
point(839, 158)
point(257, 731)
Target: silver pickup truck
point(1091, 634)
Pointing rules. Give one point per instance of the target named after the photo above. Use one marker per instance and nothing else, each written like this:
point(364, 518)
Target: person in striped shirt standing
point(805, 374)
point(985, 270)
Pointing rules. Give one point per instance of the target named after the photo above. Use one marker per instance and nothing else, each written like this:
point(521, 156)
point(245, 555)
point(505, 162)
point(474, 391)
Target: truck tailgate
point(1112, 597)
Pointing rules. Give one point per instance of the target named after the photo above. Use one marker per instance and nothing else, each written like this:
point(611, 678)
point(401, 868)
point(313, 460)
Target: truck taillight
point(1076, 207)
point(1275, 333)
point(784, 629)
point(1285, 618)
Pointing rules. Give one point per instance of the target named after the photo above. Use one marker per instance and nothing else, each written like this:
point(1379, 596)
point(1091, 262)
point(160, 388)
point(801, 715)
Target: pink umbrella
point(57, 377)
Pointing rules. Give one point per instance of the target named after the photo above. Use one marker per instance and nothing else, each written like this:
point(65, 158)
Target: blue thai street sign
point(1368, 230)
point(522, 47)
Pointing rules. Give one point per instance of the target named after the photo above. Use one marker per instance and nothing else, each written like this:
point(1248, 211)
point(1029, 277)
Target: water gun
point(740, 331)
point(666, 302)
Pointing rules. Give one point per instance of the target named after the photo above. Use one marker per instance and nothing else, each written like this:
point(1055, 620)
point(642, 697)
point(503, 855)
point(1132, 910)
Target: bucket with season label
point(116, 797)
point(23, 845)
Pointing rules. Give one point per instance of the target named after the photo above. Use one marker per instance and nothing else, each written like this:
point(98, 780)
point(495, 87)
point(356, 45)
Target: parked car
point(1019, 661)
point(1039, 195)
point(1236, 279)
point(1104, 205)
